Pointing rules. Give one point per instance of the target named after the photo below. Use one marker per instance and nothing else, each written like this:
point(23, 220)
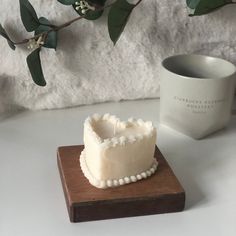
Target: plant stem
point(27, 40)
point(138, 3)
point(49, 25)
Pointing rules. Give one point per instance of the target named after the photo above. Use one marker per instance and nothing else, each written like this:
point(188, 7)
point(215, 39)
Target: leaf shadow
point(8, 107)
point(16, 35)
point(78, 48)
point(68, 41)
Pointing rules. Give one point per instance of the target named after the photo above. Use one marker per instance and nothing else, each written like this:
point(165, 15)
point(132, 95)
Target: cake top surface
point(110, 131)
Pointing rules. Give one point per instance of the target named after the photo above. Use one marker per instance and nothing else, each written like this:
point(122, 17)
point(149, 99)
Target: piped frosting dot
point(99, 140)
point(121, 181)
point(125, 124)
point(108, 142)
point(152, 170)
point(122, 140)
point(88, 121)
point(148, 123)
point(105, 145)
point(132, 138)
point(148, 172)
point(88, 127)
point(131, 119)
point(139, 177)
point(140, 122)
point(115, 182)
point(144, 175)
point(155, 166)
point(106, 116)
point(113, 119)
point(133, 178)
point(114, 139)
point(109, 183)
point(127, 180)
point(96, 116)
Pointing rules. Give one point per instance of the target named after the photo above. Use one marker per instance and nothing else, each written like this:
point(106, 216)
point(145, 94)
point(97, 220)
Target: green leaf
point(51, 40)
point(97, 2)
point(67, 2)
point(207, 6)
point(28, 16)
point(4, 34)
point(35, 67)
point(118, 17)
point(91, 15)
point(192, 3)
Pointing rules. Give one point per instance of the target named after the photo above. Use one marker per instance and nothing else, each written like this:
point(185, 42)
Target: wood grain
point(160, 193)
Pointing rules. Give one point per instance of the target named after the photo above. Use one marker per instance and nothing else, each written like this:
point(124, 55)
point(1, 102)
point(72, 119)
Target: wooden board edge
point(106, 210)
point(63, 182)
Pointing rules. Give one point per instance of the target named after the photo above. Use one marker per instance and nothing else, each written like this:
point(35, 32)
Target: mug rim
point(200, 56)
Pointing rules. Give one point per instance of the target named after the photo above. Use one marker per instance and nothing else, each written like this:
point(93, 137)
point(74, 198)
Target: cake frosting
point(117, 152)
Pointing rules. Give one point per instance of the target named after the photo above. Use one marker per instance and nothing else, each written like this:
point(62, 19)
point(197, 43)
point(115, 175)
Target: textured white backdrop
point(86, 68)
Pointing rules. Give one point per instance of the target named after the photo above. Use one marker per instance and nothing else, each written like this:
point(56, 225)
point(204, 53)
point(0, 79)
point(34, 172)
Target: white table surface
point(31, 197)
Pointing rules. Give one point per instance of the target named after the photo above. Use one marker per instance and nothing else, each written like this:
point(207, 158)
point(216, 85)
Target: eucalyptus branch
point(45, 33)
point(64, 25)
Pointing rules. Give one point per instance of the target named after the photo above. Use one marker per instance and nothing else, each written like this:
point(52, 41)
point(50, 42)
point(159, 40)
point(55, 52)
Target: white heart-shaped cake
point(117, 152)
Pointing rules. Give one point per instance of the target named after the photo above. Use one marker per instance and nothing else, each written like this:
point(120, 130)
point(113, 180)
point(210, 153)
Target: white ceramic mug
point(196, 94)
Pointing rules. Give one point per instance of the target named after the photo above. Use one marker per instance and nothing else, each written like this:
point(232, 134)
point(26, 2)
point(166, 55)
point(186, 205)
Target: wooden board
point(160, 193)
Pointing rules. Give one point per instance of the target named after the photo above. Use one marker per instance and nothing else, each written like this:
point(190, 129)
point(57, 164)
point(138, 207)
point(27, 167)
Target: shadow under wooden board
point(160, 193)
